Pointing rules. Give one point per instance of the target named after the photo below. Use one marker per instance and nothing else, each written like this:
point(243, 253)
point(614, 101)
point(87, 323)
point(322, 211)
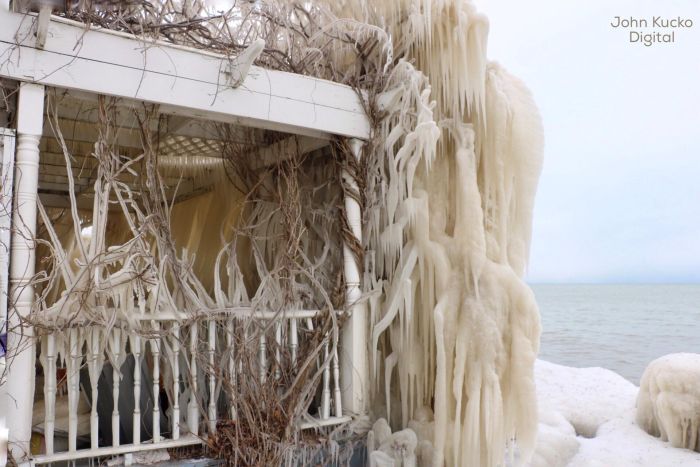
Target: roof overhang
point(183, 81)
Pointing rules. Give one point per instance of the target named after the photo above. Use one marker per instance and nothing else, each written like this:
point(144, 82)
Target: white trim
point(183, 81)
point(316, 423)
point(189, 440)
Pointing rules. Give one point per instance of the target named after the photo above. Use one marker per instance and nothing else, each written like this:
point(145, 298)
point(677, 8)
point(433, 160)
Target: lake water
point(619, 327)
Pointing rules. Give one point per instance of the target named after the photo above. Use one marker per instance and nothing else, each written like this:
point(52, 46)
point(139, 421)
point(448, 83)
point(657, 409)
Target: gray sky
point(619, 196)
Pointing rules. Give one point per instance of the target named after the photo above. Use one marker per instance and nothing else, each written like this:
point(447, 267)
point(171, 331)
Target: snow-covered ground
point(587, 419)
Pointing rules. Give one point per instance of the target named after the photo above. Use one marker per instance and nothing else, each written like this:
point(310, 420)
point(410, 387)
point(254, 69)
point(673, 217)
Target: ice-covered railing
point(165, 382)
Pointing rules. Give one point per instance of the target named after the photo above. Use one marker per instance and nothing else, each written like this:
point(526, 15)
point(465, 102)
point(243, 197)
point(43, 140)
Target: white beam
point(183, 81)
point(286, 149)
point(20, 379)
point(83, 107)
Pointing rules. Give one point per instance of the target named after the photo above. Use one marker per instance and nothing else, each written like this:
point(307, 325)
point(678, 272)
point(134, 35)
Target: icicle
point(455, 323)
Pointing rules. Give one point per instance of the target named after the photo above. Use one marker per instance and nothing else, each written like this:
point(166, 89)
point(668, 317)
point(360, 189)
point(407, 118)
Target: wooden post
point(21, 348)
point(353, 352)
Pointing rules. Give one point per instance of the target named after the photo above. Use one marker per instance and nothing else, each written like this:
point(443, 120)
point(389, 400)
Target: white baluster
point(94, 377)
point(278, 356)
point(116, 344)
point(73, 392)
point(337, 396)
point(50, 392)
point(136, 351)
point(263, 358)
point(176, 381)
point(155, 350)
point(326, 394)
point(293, 339)
point(192, 408)
point(212, 376)
point(230, 342)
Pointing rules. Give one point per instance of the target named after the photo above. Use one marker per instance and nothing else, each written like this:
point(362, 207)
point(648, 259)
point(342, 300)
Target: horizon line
point(612, 282)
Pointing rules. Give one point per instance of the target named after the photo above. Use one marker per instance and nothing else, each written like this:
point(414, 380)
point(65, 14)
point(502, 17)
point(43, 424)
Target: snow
point(556, 440)
point(669, 400)
point(586, 397)
point(599, 404)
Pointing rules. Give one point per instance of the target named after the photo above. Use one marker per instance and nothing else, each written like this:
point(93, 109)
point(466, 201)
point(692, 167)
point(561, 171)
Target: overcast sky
point(619, 196)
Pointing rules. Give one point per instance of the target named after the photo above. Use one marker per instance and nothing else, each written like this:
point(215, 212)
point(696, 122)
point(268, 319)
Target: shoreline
point(587, 419)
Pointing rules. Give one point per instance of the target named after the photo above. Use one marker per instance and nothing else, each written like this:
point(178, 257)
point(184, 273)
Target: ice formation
point(573, 403)
point(557, 443)
point(668, 404)
point(599, 395)
point(454, 327)
point(454, 324)
point(605, 402)
point(410, 447)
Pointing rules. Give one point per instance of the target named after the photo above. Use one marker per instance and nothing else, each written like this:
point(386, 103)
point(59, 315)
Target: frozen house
point(244, 226)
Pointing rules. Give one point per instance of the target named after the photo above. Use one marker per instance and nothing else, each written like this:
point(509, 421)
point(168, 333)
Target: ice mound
point(556, 441)
point(599, 404)
point(586, 397)
point(406, 448)
point(668, 404)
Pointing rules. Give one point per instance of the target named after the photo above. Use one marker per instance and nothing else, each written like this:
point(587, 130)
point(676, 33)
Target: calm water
point(620, 327)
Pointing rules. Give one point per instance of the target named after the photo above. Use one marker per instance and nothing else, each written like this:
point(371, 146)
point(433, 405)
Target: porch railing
point(176, 357)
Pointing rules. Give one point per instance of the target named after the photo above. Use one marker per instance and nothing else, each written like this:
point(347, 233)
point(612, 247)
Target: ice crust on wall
point(668, 404)
point(454, 327)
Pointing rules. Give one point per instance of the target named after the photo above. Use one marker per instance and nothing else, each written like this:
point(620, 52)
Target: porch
point(127, 357)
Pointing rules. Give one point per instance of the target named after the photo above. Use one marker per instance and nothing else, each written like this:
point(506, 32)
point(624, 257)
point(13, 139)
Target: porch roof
point(183, 81)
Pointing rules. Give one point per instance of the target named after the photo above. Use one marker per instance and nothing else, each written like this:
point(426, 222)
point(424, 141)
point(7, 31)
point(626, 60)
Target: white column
point(353, 352)
point(7, 149)
point(21, 349)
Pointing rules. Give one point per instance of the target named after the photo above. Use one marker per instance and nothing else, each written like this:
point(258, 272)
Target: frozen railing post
point(20, 379)
point(353, 355)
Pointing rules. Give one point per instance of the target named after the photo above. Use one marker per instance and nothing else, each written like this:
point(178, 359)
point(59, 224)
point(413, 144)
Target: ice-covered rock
point(668, 404)
point(381, 431)
point(400, 449)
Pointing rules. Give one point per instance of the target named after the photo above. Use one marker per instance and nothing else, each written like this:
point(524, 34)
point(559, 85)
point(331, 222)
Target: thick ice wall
point(462, 326)
point(510, 147)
